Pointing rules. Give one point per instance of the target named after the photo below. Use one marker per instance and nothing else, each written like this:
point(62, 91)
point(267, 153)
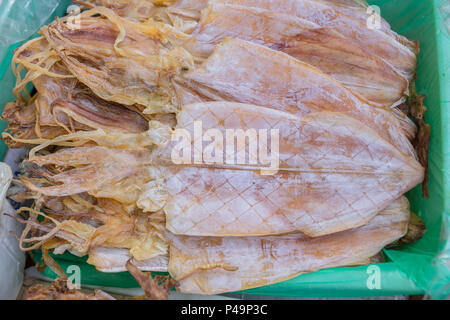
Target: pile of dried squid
point(111, 92)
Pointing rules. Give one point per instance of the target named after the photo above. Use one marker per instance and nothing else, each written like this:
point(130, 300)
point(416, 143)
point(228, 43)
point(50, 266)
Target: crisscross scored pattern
point(334, 174)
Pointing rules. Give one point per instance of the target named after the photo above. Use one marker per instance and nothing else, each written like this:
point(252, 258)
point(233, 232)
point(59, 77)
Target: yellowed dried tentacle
point(43, 141)
point(36, 67)
point(77, 234)
point(86, 203)
point(103, 55)
point(158, 134)
point(37, 213)
point(78, 138)
point(55, 118)
point(84, 4)
point(46, 59)
point(21, 50)
point(25, 232)
point(31, 223)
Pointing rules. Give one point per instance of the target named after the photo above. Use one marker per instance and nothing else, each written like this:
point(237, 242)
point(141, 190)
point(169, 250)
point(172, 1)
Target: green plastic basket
point(422, 267)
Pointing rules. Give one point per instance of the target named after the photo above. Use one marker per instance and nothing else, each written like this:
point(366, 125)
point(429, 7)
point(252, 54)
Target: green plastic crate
point(422, 267)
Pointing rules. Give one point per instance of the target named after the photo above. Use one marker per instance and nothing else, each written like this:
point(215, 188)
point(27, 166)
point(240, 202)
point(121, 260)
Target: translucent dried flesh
point(322, 47)
point(189, 9)
point(334, 174)
point(114, 260)
point(386, 46)
point(249, 73)
point(360, 10)
point(217, 265)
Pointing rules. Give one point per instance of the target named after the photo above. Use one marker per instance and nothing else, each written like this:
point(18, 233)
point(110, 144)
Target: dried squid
point(211, 265)
point(115, 70)
point(318, 157)
point(400, 54)
point(61, 104)
point(322, 46)
point(231, 143)
point(217, 265)
point(120, 60)
point(286, 84)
